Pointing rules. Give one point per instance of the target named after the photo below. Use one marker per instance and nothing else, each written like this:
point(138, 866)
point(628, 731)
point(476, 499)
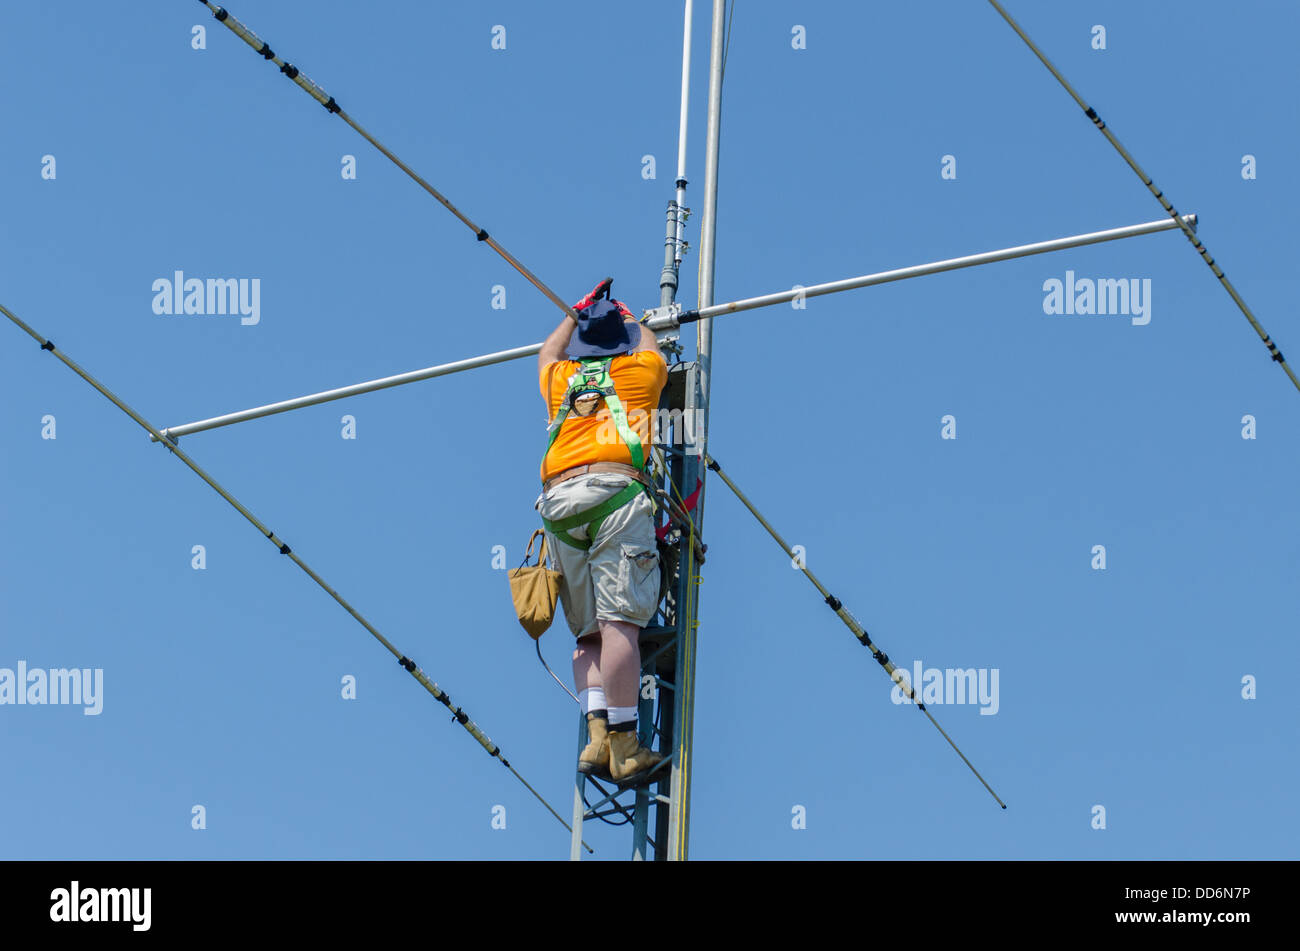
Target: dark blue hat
point(601, 332)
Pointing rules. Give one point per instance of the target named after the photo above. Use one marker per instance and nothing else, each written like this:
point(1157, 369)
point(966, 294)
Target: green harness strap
point(593, 377)
point(592, 517)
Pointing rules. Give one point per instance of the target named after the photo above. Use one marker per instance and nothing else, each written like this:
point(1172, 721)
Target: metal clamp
point(664, 317)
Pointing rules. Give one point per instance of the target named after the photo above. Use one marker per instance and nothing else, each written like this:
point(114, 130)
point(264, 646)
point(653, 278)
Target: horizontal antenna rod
point(668, 321)
point(952, 264)
point(428, 373)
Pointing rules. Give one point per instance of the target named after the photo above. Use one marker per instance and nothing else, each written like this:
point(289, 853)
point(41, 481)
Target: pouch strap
point(541, 552)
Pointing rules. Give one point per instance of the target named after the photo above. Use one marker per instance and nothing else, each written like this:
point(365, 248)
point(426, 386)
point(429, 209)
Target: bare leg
point(586, 662)
point(619, 658)
point(620, 669)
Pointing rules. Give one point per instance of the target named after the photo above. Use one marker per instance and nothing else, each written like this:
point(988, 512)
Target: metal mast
point(667, 711)
point(679, 811)
point(709, 221)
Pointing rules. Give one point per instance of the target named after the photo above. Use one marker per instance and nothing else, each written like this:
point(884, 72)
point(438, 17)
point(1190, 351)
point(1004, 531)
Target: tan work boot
point(628, 759)
point(594, 758)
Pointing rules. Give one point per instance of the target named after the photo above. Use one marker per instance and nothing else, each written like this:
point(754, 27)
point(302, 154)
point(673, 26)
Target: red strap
point(687, 505)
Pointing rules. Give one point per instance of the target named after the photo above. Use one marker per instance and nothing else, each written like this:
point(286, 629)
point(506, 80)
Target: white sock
point(622, 715)
point(592, 698)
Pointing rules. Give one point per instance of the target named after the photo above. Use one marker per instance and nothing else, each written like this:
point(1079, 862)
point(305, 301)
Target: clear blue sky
point(1120, 688)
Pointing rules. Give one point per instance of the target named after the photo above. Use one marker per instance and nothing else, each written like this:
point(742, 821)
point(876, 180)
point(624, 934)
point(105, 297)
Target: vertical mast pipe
point(681, 137)
point(709, 226)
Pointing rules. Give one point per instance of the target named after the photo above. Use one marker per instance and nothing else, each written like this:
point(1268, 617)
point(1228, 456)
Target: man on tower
point(601, 380)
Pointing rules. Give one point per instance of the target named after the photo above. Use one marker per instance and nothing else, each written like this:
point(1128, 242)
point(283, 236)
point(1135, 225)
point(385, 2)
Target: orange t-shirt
point(639, 378)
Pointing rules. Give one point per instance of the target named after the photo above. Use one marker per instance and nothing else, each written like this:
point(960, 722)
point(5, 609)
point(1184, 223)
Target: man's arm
point(554, 346)
point(648, 339)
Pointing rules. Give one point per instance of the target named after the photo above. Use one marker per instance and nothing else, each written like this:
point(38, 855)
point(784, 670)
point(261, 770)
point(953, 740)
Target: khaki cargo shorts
point(617, 578)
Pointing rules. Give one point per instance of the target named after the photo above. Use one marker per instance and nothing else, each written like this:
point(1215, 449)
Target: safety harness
point(587, 387)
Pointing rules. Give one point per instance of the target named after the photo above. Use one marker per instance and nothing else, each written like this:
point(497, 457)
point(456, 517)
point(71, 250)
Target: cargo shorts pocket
point(638, 576)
